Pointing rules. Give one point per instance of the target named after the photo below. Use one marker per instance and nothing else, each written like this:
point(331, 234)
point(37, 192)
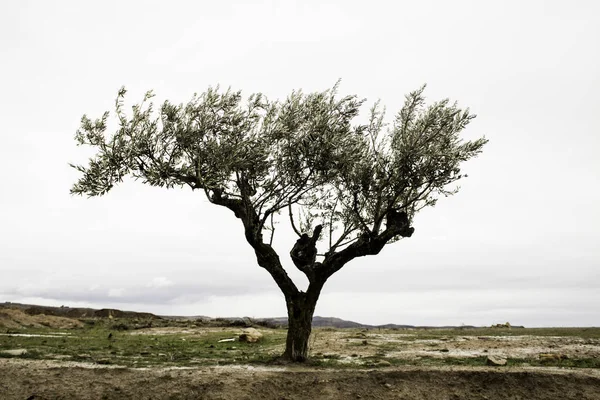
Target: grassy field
point(115, 342)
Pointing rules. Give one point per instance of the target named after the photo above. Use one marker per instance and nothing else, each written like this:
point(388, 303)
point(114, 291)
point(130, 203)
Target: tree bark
point(301, 308)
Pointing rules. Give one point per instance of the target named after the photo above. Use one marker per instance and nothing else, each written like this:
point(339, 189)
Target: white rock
point(14, 352)
point(250, 335)
point(496, 360)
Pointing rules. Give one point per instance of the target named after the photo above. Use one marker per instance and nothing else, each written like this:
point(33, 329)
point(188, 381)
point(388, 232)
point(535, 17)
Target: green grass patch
point(123, 347)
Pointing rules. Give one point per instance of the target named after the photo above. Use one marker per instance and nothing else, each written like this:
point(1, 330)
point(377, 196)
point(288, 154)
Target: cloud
point(115, 292)
point(440, 237)
point(159, 282)
point(157, 291)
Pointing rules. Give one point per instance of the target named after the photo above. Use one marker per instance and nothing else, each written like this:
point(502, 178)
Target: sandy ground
point(14, 318)
point(353, 345)
point(408, 346)
point(42, 379)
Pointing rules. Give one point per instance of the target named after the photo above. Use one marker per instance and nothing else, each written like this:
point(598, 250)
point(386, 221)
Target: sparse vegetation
point(128, 342)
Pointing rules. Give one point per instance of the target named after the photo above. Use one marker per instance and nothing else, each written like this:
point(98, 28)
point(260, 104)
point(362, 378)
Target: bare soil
point(411, 346)
point(43, 379)
point(15, 318)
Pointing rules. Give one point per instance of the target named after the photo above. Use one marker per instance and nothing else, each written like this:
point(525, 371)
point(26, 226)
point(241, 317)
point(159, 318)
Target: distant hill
point(76, 312)
point(79, 312)
point(322, 322)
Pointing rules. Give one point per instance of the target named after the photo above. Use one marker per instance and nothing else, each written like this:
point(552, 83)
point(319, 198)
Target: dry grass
point(16, 319)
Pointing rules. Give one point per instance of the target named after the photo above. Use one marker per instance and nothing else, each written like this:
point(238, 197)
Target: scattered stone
point(383, 363)
point(14, 352)
point(226, 340)
point(545, 357)
point(250, 335)
point(364, 342)
point(387, 385)
point(103, 361)
point(496, 361)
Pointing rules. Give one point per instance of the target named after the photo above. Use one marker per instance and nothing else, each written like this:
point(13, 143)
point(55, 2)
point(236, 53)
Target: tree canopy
point(302, 157)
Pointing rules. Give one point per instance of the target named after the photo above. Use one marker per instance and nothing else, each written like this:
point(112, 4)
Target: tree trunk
point(301, 308)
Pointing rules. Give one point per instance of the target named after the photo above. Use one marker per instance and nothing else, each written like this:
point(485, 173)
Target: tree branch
point(292, 220)
point(367, 244)
point(266, 256)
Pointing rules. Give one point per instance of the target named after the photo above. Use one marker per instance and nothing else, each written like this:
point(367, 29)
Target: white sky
point(519, 243)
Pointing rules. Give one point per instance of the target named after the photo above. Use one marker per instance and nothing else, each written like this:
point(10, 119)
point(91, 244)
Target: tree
point(346, 189)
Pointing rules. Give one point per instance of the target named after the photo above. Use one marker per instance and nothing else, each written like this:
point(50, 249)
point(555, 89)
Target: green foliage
point(304, 155)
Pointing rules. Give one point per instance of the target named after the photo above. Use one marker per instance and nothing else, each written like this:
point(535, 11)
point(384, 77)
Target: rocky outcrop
point(250, 335)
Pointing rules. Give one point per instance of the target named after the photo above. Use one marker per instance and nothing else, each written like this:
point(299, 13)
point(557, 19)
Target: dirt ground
point(42, 379)
point(354, 346)
point(413, 346)
point(14, 318)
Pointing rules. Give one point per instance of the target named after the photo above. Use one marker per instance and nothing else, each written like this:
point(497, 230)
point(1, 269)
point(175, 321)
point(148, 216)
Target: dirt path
point(33, 379)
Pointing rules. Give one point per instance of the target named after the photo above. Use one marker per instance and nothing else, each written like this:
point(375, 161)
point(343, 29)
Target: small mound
point(14, 319)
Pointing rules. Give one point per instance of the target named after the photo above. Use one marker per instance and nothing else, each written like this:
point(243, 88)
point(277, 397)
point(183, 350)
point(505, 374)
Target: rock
point(14, 352)
point(250, 335)
point(552, 357)
point(496, 360)
point(383, 363)
point(387, 385)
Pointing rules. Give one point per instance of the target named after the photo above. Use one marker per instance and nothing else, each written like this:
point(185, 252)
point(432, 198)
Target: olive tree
point(346, 189)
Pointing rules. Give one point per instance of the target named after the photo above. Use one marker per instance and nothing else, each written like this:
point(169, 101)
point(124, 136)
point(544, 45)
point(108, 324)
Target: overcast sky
point(519, 243)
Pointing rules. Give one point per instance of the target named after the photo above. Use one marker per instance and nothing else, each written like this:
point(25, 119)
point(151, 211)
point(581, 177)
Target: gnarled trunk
point(301, 308)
